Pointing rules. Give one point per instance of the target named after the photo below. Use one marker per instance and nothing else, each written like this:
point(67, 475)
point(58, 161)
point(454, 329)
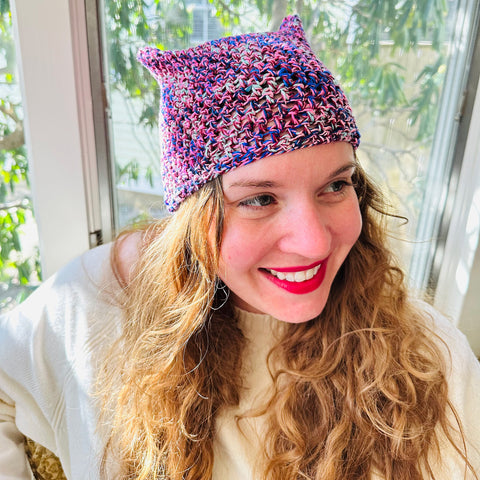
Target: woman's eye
point(337, 186)
point(258, 201)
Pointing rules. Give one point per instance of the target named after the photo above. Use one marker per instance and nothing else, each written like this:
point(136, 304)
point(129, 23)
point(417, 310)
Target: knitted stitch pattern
point(228, 102)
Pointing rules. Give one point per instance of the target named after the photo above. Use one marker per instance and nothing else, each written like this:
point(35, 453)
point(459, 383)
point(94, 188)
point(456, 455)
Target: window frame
point(460, 227)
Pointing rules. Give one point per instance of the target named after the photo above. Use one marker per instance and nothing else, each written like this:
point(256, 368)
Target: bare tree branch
point(23, 203)
point(279, 12)
point(10, 112)
point(226, 8)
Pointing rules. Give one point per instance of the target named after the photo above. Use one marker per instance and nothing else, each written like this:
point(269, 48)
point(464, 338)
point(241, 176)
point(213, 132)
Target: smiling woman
point(261, 332)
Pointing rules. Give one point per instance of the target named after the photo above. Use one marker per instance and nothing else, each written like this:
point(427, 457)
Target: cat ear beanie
point(229, 102)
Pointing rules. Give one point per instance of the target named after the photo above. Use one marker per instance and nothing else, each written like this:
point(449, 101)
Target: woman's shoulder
point(78, 297)
point(126, 253)
point(106, 268)
point(91, 283)
point(463, 380)
point(85, 276)
point(462, 366)
point(444, 327)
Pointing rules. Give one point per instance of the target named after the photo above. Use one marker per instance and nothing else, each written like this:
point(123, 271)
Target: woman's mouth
point(298, 277)
point(298, 281)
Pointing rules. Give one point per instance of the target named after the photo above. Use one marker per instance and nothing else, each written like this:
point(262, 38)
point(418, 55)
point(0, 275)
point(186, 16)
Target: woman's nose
point(306, 232)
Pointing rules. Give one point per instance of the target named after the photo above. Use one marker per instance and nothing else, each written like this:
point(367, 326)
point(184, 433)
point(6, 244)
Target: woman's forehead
point(318, 160)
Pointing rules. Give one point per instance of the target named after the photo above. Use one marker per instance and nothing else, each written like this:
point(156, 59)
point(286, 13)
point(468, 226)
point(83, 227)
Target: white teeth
point(297, 277)
point(300, 276)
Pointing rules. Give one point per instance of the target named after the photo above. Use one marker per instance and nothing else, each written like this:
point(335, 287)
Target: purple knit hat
point(228, 102)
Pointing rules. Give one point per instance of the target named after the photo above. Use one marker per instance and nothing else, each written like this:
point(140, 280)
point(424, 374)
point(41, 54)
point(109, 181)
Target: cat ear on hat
point(293, 25)
point(151, 58)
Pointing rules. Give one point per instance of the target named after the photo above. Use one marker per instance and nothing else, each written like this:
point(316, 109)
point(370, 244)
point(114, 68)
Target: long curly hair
point(361, 388)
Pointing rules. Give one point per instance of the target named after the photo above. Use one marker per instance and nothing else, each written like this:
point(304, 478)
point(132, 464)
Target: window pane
point(19, 262)
point(394, 59)
point(133, 94)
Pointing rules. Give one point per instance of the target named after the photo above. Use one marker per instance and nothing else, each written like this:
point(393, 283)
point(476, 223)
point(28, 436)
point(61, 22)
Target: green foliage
point(424, 107)
point(129, 171)
point(18, 273)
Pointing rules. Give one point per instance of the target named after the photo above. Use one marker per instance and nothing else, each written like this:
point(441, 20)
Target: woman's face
point(290, 221)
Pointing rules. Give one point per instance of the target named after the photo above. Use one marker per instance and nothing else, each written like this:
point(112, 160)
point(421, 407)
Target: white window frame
point(52, 58)
point(54, 63)
point(464, 229)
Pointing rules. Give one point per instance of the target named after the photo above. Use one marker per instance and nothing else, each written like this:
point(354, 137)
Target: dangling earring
point(221, 294)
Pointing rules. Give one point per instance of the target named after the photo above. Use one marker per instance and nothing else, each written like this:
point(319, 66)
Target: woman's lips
point(298, 280)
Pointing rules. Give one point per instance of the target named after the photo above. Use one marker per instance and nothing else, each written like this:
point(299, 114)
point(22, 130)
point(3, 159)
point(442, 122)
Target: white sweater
point(50, 347)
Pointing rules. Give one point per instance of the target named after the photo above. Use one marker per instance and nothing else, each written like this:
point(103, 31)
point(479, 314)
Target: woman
point(263, 330)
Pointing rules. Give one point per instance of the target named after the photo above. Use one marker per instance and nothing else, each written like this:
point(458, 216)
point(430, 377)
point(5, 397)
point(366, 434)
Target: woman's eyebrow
point(252, 183)
point(342, 169)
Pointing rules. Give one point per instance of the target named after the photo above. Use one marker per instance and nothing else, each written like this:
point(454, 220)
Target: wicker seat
point(45, 465)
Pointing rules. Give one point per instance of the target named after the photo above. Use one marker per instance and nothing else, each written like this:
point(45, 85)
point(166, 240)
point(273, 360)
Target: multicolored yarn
point(228, 102)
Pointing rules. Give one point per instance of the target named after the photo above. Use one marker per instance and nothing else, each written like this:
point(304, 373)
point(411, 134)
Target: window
point(57, 105)
point(398, 62)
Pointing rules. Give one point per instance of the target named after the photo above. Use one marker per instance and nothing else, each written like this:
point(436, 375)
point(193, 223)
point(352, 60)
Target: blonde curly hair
point(361, 388)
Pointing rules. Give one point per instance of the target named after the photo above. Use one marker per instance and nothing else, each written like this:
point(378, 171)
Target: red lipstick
point(299, 288)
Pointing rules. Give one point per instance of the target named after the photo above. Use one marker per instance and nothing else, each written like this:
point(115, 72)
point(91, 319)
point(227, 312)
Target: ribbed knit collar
point(258, 325)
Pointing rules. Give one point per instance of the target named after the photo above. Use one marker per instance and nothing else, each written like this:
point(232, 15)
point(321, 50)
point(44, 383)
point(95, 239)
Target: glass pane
point(19, 261)
point(133, 94)
point(394, 60)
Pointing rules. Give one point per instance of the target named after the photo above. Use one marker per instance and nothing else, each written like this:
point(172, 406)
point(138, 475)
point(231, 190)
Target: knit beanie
point(229, 102)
